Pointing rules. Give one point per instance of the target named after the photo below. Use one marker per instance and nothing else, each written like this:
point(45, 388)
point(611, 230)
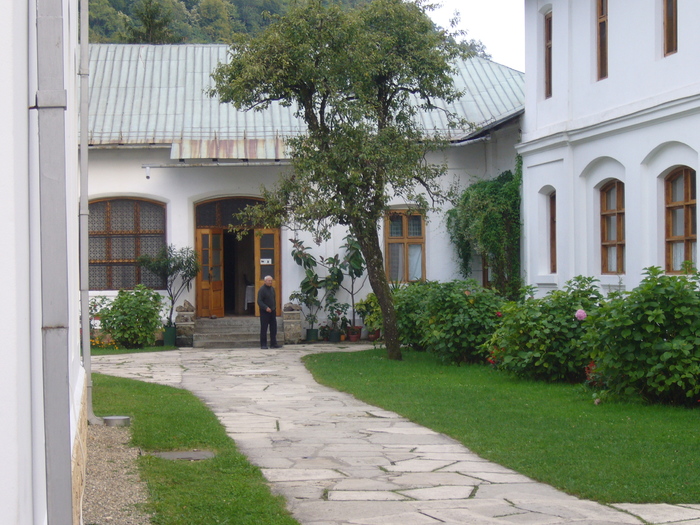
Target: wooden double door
point(261, 257)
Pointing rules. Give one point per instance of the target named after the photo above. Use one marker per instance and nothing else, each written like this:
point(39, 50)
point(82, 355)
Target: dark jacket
point(266, 298)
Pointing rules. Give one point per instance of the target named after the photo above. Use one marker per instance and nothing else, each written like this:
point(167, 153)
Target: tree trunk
point(368, 239)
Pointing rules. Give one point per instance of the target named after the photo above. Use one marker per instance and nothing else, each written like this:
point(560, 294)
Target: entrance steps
point(231, 332)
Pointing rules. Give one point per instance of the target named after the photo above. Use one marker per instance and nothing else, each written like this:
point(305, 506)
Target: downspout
point(51, 103)
point(84, 207)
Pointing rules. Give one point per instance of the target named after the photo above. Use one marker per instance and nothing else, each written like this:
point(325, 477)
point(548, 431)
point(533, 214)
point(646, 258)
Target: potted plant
point(368, 308)
point(313, 305)
point(177, 269)
point(335, 312)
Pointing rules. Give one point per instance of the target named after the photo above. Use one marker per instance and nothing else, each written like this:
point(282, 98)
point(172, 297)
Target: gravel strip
point(113, 491)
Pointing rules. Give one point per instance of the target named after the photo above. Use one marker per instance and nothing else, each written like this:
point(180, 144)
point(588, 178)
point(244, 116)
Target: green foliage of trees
point(180, 21)
point(486, 222)
point(177, 269)
point(352, 74)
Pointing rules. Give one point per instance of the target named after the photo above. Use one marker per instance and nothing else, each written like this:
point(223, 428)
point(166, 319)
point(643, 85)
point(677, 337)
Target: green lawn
point(224, 489)
point(611, 452)
point(116, 351)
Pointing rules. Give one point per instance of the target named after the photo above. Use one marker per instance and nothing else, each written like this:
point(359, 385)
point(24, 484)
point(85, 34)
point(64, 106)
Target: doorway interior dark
point(239, 275)
point(238, 255)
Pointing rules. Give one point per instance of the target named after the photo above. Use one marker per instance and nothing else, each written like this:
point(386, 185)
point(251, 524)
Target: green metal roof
point(156, 94)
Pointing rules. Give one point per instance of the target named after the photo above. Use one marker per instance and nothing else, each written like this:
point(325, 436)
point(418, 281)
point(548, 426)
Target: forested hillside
point(180, 21)
point(192, 21)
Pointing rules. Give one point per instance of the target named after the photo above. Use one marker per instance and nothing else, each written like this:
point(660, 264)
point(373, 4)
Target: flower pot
point(334, 336)
point(311, 335)
point(374, 335)
point(169, 335)
point(354, 337)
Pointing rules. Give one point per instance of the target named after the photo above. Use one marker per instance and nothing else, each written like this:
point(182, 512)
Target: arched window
point(612, 227)
point(681, 219)
point(121, 230)
point(552, 198)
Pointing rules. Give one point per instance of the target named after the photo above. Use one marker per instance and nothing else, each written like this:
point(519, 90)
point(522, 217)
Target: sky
point(497, 23)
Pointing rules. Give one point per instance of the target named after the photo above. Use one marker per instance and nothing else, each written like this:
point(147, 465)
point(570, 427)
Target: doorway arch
point(232, 269)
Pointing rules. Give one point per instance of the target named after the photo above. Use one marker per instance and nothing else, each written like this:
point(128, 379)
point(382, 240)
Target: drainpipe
point(51, 101)
point(84, 207)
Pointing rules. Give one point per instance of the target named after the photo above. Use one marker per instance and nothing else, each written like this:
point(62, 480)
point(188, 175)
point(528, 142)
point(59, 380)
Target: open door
point(210, 281)
point(267, 262)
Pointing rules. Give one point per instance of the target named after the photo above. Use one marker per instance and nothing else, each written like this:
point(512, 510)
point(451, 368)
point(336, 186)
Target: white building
point(610, 139)
point(169, 165)
point(42, 382)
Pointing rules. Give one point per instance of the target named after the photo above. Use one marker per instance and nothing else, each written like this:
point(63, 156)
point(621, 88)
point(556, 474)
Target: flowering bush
point(541, 338)
point(647, 341)
point(452, 319)
point(133, 317)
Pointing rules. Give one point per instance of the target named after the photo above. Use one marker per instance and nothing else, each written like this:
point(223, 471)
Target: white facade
point(156, 137)
point(40, 310)
point(120, 172)
point(636, 125)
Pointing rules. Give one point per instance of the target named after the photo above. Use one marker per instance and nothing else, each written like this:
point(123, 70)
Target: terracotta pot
point(373, 336)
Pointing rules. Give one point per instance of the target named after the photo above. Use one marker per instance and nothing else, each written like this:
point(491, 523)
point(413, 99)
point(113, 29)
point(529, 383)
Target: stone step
point(230, 332)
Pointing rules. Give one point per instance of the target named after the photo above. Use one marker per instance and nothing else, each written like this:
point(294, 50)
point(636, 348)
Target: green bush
point(541, 338)
point(647, 341)
point(452, 319)
point(133, 317)
point(411, 303)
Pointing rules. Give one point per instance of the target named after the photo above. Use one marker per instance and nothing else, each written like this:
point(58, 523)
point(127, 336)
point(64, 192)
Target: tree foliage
point(486, 222)
point(204, 21)
point(357, 77)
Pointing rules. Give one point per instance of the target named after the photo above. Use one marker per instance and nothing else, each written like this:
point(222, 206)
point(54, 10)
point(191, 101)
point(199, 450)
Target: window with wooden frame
point(612, 227)
point(681, 219)
point(548, 55)
point(602, 39)
point(121, 230)
point(553, 232)
point(670, 26)
point(404, 236)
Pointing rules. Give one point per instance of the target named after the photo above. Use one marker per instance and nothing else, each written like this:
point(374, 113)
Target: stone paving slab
point(339, 461)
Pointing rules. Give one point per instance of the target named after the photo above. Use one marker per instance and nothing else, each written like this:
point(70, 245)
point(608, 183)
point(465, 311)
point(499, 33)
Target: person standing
point(268, 317)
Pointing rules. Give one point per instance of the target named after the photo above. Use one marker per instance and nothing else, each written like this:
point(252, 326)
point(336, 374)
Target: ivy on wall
point(486, 222)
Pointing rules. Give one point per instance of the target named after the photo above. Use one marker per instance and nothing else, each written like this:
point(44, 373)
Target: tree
point(173, 265)
point(219, 20)
point(357, 77)
point(155, 19)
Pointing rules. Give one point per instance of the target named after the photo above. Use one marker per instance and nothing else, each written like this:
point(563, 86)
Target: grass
point(613, 452)
point(96, 350)
point(223, 490)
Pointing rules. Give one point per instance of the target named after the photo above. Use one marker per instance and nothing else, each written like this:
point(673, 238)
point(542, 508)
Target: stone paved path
point(340, 461)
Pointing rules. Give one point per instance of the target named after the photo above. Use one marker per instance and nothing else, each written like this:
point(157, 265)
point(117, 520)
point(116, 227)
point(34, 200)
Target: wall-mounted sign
point(265, 261)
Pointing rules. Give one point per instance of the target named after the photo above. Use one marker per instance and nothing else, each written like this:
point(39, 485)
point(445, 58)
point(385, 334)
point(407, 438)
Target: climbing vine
point(486, 222)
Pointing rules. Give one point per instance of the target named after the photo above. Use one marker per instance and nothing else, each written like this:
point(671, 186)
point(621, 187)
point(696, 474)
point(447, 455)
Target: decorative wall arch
point(668, 156)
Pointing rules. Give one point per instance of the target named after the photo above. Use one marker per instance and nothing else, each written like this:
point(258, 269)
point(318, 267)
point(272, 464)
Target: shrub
point(411, 303)
point(541, 338)
point(452, 320)
point(133, 317)
point(647, 341)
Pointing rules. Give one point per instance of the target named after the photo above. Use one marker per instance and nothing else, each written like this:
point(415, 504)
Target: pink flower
point(581, 315)
point(499, 314)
